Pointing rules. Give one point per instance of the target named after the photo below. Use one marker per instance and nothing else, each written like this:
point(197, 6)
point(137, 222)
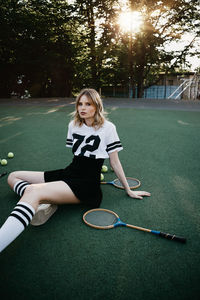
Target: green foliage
point(163, 22)
point(55, 48)
point(36, 42)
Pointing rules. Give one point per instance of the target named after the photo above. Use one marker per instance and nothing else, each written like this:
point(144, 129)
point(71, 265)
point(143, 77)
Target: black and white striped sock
point(20, 187)
point(18, 220)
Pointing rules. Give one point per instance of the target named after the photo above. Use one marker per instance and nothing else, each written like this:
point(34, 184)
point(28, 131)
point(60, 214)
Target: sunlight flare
point(130, 21)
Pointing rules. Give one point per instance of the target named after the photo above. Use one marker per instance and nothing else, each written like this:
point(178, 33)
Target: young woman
point(92, 139)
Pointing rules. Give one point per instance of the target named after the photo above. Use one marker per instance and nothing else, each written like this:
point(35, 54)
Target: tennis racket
point(3, 174)
point(100, 218)
point(132, 182)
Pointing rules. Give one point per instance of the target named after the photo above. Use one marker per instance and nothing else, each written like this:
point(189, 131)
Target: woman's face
point(86, 109)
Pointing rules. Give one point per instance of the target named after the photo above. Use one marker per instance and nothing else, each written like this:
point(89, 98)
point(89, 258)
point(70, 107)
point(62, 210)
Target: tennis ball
point(4, 162)
point(104, 169)
point(102, 177)
point(10, 155)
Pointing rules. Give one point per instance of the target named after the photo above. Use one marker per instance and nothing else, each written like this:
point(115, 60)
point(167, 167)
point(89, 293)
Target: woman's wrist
point(128, 190)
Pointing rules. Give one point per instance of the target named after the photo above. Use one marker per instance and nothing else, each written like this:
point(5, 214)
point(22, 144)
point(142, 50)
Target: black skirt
point(83, 177)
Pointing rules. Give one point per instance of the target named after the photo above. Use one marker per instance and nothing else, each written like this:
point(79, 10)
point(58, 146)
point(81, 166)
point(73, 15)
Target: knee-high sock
point(18, 220)
point(20, 187)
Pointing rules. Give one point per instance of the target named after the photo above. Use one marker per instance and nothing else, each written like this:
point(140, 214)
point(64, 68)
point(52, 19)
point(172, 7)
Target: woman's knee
point(12, 178)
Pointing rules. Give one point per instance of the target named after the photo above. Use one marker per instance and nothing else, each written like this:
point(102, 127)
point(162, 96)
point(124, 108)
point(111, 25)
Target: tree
point(163, 22)
point(96, 19)
point(36, 45)
point(54, 48)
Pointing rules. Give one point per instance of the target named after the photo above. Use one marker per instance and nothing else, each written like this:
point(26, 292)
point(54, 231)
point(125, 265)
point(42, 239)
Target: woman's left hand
point(138, 194)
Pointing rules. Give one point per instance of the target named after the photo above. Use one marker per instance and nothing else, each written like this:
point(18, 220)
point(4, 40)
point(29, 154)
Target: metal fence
point(161, 92)
point(153, 92)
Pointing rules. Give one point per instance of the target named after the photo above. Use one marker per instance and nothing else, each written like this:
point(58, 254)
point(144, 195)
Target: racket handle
point(172, 237)
point(3, 174)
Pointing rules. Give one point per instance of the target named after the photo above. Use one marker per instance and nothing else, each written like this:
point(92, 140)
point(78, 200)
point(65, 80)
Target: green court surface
point(64, 258)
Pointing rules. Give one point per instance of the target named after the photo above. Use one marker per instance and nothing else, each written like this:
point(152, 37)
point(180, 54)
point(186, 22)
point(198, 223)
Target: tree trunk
point(91, 45)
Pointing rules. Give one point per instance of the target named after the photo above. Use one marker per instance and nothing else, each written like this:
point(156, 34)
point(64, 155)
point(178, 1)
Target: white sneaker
point(44, 212)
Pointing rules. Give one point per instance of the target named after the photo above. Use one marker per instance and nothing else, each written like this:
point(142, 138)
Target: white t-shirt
point(89, 142)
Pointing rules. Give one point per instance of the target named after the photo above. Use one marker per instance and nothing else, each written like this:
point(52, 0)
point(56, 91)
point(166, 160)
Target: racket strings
point(101, 218)
point(131, 182)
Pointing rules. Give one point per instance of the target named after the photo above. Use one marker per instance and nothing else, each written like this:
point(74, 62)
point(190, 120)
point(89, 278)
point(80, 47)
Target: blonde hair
point(99, 116)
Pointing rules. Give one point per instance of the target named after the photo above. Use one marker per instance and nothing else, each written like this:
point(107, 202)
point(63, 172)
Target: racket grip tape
point(172, 237)
point(3, 174)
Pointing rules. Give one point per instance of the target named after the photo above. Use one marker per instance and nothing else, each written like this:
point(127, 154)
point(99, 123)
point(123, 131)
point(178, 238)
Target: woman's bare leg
point(33, 183)
point(29, 176)
point(56, 192)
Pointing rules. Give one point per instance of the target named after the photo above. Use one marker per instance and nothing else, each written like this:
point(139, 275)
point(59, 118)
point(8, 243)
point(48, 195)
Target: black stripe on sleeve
point(69, 142)
point(113, 146)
